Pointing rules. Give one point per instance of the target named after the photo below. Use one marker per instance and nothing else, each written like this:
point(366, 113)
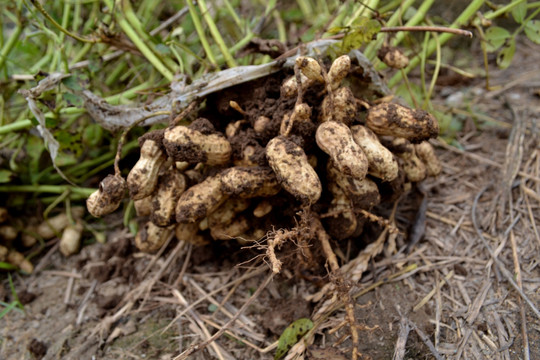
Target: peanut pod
point(339, 106)
point(338, 71)
point(200, 200)
point(298, 118)
point(8, 233)
point(231, 230)
point(400, 121)
point(414, 168)
point(363, 193)
point(49, 228)
point(310, 68)
point(189, 232)
point(393, 57)
point(336, 140)
point(382, 163)
point(249, 182)
point(170, 186)
point(3, 214)
point(289, 88)
point(108, 197)
point(227, 212)
point(292, 169)
point(341, 222)
point(426, 153)
point(150, 237)
point(70, 242)
point(143, 177)
point(143, 207)
point(193, 146)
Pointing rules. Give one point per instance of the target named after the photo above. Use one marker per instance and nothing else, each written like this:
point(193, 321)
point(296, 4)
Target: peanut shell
point(108, 197)
point(249, 182)
point(400, 121)
point(292, 169)
point(382, 163)
point(336, 140)
point(200, 200)
point(143, 177)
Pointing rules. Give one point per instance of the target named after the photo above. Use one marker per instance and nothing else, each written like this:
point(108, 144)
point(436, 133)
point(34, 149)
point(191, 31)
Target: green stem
point(216, 34)
point(54, 189)
point(503, 10)
point(42, 10)
point(202, 37)
point(140, 44)
point(8, 46)
point(465, 16)
point(16, 126)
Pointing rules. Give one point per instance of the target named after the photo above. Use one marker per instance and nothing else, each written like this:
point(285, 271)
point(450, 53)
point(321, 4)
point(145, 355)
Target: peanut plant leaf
point(495, 38)
point(532, 30)
point(519, 12)
point(291, 335)
point(504, 58)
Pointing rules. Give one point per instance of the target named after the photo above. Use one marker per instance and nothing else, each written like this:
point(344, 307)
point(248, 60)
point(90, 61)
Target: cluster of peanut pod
point(330, 152)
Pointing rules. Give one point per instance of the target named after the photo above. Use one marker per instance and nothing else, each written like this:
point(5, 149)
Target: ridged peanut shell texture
point(293, 171)
point(400, 121)
point(340, 106)
point(108, 197)
point(382, 163)
point(336, 140)
point(200, 200)
point(170, 186)
point(185, 144)
point(249, 182)
point(143, 177)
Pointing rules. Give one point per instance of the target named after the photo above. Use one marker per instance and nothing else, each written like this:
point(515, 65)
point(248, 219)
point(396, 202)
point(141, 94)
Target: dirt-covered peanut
point(191, 145)
point(143, 177)
point(338, 71)
point(200, 200)
point(8, 233)
point(250, 156)
point(70, 242)
point(54, 225)
point(426, 153)
point(233, 128)
point(414, 169)
point(382, 163)
point(262, 209)
point(339, 106)
point(150, 237)
point(231, 230)
point(400, 121)
point(227, 212)
point(363, 193)
point(336, 140)
point(393, 57)
point(262, 124)
point(293, 171)
point(143, 207)
point(171, 185)
point(189, 232)
point(289, 88)
point(249, 182)
point(299, 118)
point(108, 197)
point(17, 259)
point(310, 68)
point(341, 222)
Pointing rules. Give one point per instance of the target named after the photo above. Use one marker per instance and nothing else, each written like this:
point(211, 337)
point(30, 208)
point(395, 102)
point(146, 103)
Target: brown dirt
point(114, 303)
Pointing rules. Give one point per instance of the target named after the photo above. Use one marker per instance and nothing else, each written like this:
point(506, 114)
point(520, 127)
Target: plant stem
point(202, 37)
point(55, 189)
point(503, 10)
point(8, 46)
point(16, 126)
point(42, 10)
point(216, 34)
point(465, 16)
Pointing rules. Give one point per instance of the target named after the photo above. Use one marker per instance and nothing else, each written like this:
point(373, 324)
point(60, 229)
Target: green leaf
point(519, 12)
point(73, 99)
point(92, 135)
point(72, 83)
point(291, 335)
point(495, 38)
point(507, 54)
point(532, 30)
point(6, 176)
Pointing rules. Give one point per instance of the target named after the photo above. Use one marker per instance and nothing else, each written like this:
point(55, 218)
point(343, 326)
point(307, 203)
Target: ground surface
point(114, 303)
